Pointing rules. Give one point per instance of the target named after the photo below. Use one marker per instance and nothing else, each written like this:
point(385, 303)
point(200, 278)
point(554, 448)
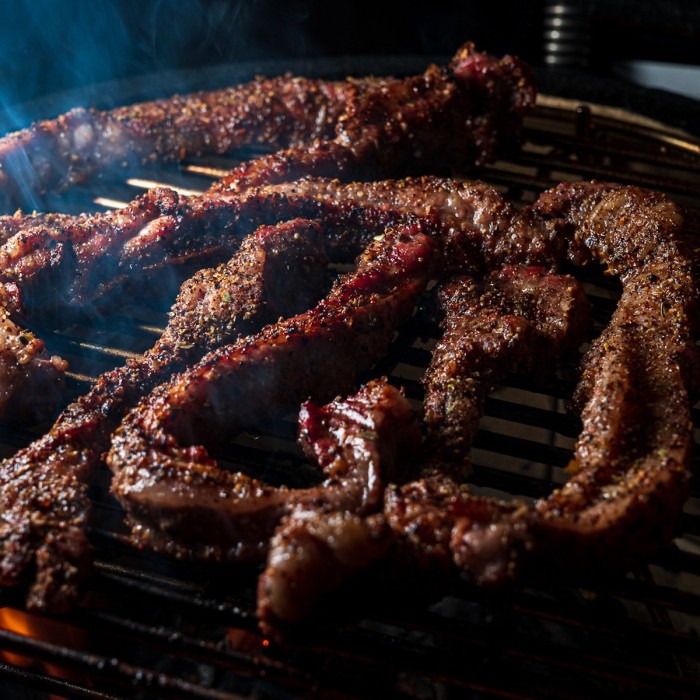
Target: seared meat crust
point(44, 486)
point(176, 496)
point(363, 442)
point(344, 129)
point(521, 319)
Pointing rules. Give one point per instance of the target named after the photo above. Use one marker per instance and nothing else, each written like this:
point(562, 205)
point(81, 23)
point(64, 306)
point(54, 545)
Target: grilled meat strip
point(332, 128)
point(441, 122)
point(175, 495)
point(521, 319)
point(363, 442)
point(479, 229)
point(93, 253)
point(277, 271)
point(31, 380)
point(55, 154)
point(61, 264)
point(631, 461)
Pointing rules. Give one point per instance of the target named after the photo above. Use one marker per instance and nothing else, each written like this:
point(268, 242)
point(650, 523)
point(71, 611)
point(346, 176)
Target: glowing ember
point(43, 629)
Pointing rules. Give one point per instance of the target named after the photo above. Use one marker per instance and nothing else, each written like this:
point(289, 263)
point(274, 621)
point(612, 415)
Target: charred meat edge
point(44, 500)
point(177, 497)
point(367, 125)
point(368, 438)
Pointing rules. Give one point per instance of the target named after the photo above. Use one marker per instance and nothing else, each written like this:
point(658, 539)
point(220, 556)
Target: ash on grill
point(151, 627)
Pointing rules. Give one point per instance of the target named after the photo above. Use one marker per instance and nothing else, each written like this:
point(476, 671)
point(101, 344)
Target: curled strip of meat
point(362, 441)
point(520, 320)
point(479, 229)
point(89, 253)
point(279, 271)
point(82, 257)
point(444, 120)
point(62, 262)
point(49, 269)
point(631, 461)
point(332, 128)
point(43, 496)
point(55, 154)
point(11, 224)
point(176, 496)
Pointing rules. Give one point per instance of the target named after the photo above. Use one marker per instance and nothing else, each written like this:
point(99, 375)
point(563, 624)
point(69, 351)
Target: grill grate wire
point(151, 627)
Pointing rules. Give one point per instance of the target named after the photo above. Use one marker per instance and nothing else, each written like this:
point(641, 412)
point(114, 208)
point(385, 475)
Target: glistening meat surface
point(175, 494)
point(631, 460)
point(369, 438)
point(277, 271)
point(369, 126)
point(58, 264)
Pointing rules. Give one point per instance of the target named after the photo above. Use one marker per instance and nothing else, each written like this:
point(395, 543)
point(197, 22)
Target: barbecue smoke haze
point(47, 47)
point(55, 57)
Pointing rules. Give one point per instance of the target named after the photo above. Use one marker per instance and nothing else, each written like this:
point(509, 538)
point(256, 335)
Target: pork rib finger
point(43, 497)
point(55, 154)
point(310, 557)
point(56, 265)
point(92, 253)
point(176, 496)
point(390, 122)
point(368, 437)
point(442, 121)
point(520, 319)
point(632, 457)
point(618, 226)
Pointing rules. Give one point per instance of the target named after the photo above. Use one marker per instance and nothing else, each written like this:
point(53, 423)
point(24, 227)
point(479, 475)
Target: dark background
point(48, 46)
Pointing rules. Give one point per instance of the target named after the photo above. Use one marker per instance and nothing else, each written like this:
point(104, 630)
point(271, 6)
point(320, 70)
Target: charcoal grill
point(153, 628)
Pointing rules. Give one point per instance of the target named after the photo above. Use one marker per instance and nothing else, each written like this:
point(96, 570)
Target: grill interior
point(150, 627)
